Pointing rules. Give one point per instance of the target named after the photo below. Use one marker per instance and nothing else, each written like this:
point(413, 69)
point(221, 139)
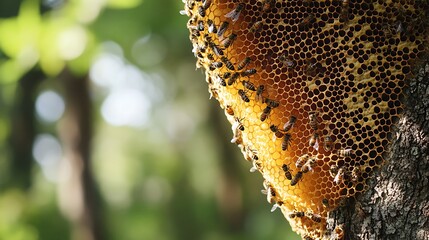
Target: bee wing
point(316, 145)
point(337, 178)
point(270, 91)
point(275, 206)
point(234, 14)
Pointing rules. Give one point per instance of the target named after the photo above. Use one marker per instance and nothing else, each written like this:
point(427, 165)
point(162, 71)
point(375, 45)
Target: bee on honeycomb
point(314, 71)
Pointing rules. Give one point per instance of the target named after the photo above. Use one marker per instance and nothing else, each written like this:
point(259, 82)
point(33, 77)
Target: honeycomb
point(311, 88)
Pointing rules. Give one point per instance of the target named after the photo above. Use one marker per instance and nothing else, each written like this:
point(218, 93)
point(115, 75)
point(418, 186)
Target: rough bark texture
point(396, 205)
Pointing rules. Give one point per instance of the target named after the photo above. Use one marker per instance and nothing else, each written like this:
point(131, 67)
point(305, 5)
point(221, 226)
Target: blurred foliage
point(159, 155)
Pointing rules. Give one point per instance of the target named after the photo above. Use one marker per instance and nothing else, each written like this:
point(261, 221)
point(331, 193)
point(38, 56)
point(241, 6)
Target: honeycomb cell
point(319, 93)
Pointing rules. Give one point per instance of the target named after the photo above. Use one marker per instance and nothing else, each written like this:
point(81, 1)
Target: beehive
point(311, 88)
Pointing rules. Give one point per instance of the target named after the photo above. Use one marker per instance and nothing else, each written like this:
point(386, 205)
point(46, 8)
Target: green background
point(160, 155)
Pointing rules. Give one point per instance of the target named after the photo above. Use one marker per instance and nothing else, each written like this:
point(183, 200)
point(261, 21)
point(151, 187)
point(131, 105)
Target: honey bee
point(229, 110)
point(314, 124)
point(198, 50)
point(243, 63)
point(305, 23)
point(267, 5)
point(327, 143)
point(243, 95)
point(248, 85)
point(255, 157)
point(313, 68)
point(345, 152)
point(400, 27)
point(271, 194)
point(229, 40)
point(387, 30)
point(259, 91)
point(295, 214)
point(315, 217)
point(226, 75)
point(195, 33)
point(288, 175)
point(301, 161)
point(216, 49)
point(308, 166)
point(289, 124)
point(239, 124)
point(325, 202)
point(355, 174)
point(251, 154)
point(228, 64)
point(210, 57)
point(265, 113)
point(221, 81)
point(237, 127)
point(213, 92)
point(248, 72)
point(201, 11)
point(192, 20)
point(314, 141)
point(340, 176)
point(222, 29)
point(235, 14)
point(217, 64)
point(233, 78)
point(277, 132)
point(207, 3)
point(333, 170)
point(288, 61)
point(212, 27)
point(200, 26)
point(287, 138)
point(344, 14)
point(271, 103)
point(256, 27)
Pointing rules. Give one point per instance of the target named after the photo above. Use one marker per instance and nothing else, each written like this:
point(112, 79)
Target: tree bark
point(396, 204)
point(77, 190)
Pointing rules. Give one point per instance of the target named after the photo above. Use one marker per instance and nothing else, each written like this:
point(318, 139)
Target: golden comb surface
point(311, 88)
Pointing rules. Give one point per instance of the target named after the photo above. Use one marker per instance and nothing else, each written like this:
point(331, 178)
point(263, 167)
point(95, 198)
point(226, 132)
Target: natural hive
point(311, 88)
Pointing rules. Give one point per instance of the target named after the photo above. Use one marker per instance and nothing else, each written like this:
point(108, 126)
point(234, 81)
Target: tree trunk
point(24, 129)
point(396, 204)
point(78, 194)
